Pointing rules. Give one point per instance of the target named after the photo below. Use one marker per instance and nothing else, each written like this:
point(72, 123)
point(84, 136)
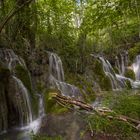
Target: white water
point(119, 81)
point(136, 68)
point(56, 77)
point(10, 59)
point(110, 73)
point(22, 89)
point(122, 62)
point(56, 67)
point(35, 125)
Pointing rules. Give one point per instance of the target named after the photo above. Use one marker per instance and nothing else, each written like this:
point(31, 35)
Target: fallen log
point(102, 111)
point(72, 101)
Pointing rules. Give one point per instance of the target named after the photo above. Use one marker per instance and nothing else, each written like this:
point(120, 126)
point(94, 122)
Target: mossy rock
point(24, 76)
point(98, 68)
point(105, 83)
point(4, 73)
point(116, 70)
point(51, 106)
point(128, 84)
point(133, 52)
point(99, 74)
point(130, 74)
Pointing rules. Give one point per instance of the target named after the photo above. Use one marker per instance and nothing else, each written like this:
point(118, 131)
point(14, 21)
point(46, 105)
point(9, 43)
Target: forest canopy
point(77, 27)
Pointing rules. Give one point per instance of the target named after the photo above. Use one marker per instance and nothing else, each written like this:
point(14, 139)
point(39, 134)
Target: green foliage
point(134, 51)
point(24, 76)
point(100, 76)
point(130, 74)
point(128, 105)
point(113, 127)
point(124, 103)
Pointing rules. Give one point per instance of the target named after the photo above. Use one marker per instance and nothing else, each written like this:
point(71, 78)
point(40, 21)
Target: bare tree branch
point(12, 13)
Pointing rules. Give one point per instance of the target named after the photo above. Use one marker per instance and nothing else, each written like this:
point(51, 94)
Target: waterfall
point(55, 66)
point(41, 106)
point(35, 125)
point(117, 64)
point(21, 89)
point(9, 59)
point(56, 77)
point(122, 62)
point(110, 73)
point(117, 80)
point(15, 104)
point(136, 67)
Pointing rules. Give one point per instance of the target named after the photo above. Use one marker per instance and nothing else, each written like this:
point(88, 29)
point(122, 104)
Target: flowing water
point(17, 101)
point(122, 62)
point(16, 114)
point(118, 81)
point(24, 133)
point(22, 89)
point(56, 77)
point(136, 67)
point(110, 73)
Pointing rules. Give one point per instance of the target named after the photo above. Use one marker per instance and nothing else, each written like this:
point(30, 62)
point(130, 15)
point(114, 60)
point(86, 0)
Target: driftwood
point(102, 111)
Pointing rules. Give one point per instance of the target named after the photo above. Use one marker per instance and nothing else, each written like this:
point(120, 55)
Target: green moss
point(113, 127)
point(134, 51)
point(130, 74)
point(24, 76)
point(51, 106)
point(116, 70)
point(105, 83)
point(128, 105)
point(128, 84)
point(124, 103)
point(101, 77)
point(98, 68)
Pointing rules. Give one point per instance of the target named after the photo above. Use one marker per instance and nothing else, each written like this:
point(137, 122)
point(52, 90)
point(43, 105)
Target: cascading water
point(122, 62)
point(56, 67)
point(117, 81)
point(136, 68)
point(117, 64)
point(16, 112)
point(21, 89)
point(14, 95)
point(56, 77)
point(110, 73)
point(122, 65)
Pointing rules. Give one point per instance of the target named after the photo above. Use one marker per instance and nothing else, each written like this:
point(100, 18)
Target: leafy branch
point(12, 13)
